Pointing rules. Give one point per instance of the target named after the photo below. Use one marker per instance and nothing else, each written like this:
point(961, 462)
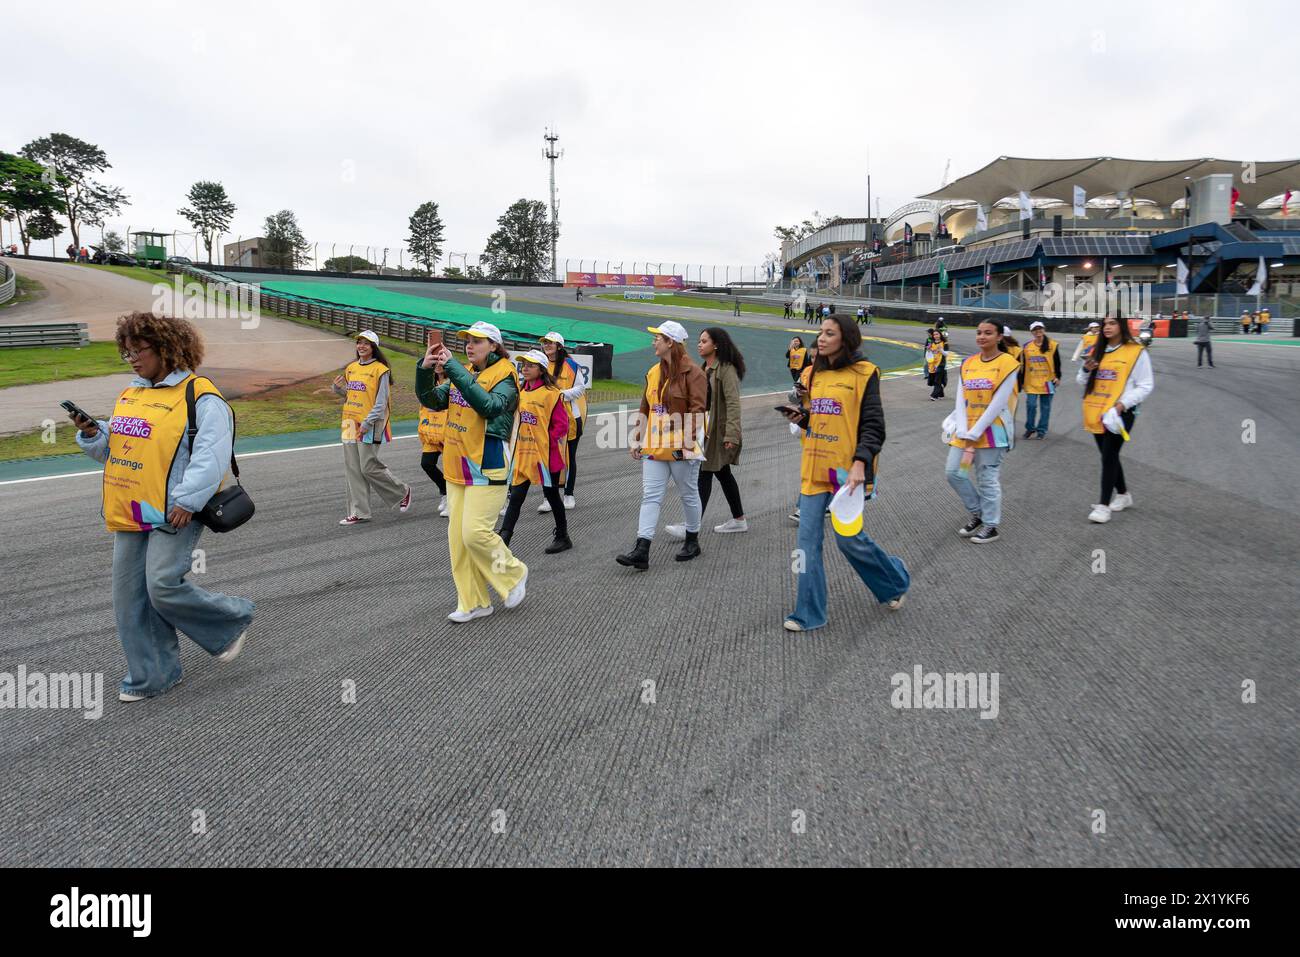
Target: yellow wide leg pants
point(478, 556)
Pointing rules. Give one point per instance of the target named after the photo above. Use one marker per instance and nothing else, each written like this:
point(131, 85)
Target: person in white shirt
point(1116, 378)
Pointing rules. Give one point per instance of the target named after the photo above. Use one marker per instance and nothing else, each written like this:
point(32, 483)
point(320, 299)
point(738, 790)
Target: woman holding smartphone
point(843, 425)
point(364, 387)
point(154, 484)
point(480, 401)
point(541, 445)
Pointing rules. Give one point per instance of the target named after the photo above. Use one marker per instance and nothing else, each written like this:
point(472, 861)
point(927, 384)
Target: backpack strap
point(192, 429)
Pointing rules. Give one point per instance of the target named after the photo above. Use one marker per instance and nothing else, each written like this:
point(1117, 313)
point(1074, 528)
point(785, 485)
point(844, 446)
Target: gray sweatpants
point(366, 474)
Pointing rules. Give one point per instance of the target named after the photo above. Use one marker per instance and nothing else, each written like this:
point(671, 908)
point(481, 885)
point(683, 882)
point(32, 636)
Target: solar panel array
point(1021, 249)
point(1097, 246)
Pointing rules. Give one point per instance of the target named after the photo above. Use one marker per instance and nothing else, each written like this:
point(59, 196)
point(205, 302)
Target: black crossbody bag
point(230, 507)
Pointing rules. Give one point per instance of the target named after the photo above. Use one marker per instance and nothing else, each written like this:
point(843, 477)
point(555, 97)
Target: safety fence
point(8, 283)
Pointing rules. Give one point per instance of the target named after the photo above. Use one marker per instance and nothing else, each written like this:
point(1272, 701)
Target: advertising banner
point(669, 282)
point(580, 279)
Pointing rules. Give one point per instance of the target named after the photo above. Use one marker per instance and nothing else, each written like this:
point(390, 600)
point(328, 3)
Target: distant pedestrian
point(71, 252)
point(861, 315)
point(1204, 347)
point(365, 387)
point(1116, 378)
point(1265, 317)
point(796, 357)
point(1040, 374)
point(936, 364)
point(579, 296)
point(788, 313)
point(736, 311)
point(1245, 321)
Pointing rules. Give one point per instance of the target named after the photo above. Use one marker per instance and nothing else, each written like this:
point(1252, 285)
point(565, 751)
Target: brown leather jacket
point(683, 393)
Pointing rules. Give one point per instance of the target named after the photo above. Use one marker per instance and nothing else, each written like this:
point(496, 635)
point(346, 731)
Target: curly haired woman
point(155, 481)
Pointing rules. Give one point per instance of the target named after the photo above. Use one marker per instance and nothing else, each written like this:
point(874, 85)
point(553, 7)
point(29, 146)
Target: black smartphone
point(75, 410)
point(788, 409)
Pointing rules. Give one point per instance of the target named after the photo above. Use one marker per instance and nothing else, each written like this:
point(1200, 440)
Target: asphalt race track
point(531, 736)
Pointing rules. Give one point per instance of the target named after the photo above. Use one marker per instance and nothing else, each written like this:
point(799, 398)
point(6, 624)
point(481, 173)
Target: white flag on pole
point(1026, 207)
point(1261, 277)
point(1080, 202)
point(1181, 289)
point(981, 218)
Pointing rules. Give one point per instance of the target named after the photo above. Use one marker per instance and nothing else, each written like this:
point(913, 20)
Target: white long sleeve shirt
point(1001, 399)
point(1141, 381)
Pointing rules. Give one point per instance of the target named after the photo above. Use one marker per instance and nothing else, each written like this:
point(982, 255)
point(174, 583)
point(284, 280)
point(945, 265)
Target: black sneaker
point(971, 527)
point(1028, 433)
point(989, 534)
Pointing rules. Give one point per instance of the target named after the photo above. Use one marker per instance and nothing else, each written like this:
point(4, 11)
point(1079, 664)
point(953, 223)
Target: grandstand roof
point(1161, 181)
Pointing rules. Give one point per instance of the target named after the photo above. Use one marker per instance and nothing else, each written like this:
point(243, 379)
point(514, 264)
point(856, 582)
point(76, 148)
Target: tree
point(26, 190)
point(806, 228)
point(113, 242)
point(41, 225)
point(286, 247)
point(72, 161)
point(521, 246)
point(425, 241)
point(453, 272)
point(348, 264)
point(209, 211)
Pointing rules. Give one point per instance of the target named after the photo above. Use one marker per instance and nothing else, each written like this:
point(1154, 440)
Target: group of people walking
point(489, 431)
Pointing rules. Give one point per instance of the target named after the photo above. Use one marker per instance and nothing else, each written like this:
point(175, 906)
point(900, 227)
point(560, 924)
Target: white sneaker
point(568, 501)
point(791, 625)
point(128, 698)
point(676, 531)
point(442, 506)
point(460, 617)
point(544, 507)
point(517, 593)
point(1121, 501)
point(503, 509)
point(732, 525)
point(231, 653)
point(897, 603)
point(1099, 513)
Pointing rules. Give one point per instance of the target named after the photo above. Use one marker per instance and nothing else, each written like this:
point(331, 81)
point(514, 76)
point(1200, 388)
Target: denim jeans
point(884, 574)
point(979, 490)
point(1035, 403)
point(654, 482)
point(151, 599)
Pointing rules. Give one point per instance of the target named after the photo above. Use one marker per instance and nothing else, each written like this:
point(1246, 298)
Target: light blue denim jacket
point(192, 480)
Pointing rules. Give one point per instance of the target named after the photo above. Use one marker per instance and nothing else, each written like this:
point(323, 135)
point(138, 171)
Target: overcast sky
point(689, 129)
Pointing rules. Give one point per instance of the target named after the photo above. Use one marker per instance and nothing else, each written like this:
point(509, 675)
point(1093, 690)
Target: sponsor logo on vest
point(35, 689)
point(948, 691)
point(356, 386)
point(132, 911)
point(125, 463)
point(129, 425)
point(979, 383)
point(527, 418)
point(1108, 374)
point(827, 407)
point(456, 398)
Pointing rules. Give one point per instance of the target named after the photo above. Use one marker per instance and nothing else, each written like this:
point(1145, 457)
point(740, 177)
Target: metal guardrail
point(44, 334)
point(8, 282)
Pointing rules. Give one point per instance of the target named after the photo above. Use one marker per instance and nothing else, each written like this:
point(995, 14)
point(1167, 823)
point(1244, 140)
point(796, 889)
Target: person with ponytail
point(981, 430)
point(541, 447)
point(936, 364)
point(481, 401)
point(843, 426)
point(667, 442)
point(1040, 374)
point(364, 386)
point(1116, 378)
point(571, 379)
point(797, 358)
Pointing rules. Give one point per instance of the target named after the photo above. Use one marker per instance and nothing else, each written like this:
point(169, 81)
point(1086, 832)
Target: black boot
point(690, 548)
point(639, 557)
point(561, 544)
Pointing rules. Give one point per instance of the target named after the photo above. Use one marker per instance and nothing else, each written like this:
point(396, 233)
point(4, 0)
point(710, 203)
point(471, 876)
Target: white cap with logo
point(484, 330)
point(1036, 325)
point(554, 337)
point(536, 356)
point(368, 336)
point(673, 330)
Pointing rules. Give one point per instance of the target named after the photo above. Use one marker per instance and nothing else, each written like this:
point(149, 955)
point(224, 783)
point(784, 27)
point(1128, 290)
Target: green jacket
point(497, 406)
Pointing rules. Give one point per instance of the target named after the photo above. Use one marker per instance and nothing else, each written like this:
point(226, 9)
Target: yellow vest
point(980, 382)
point(933, 357)
point(1245, 321)
point(466, 432)
point(1265, 317)
point(566, 378)
point(1089, 340)
point(144, 434)
point(363, 388)
point(1014, 352)
point(1112, 376)
point(432, 426)
point(533, 442)
point(831, 438)
point(1040, 369)
point(796, 358)
point(666, 439)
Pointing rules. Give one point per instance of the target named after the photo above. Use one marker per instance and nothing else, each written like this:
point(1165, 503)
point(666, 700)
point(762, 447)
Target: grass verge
point(36, 364)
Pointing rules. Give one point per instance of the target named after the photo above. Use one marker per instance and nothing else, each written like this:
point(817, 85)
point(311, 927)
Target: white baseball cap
point(846, 510)
point(1094, 323)
point(553, 336)
point(484, 330)
point(1006, 330)
point(673, 330)
point(536, 356)
point(1036, 325)
point(368, 336)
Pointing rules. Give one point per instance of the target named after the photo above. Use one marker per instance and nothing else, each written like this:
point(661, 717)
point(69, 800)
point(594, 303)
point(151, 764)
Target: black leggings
point(573, 460)
point(1112, 473)
point(429, 462)
point(517, 495)
point(729, 489)
point(938, 379)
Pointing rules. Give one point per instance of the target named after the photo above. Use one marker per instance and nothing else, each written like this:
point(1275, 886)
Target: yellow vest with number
point(1040, 369)
point(1112, 375)
point(669, 437)
point(466, 433)
point(533, 443)
point(432, 426)
point(980, 382)
point(144, 434)
point(363, 388)
point(567, 378)
point(796, 358)
point(831, 438)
